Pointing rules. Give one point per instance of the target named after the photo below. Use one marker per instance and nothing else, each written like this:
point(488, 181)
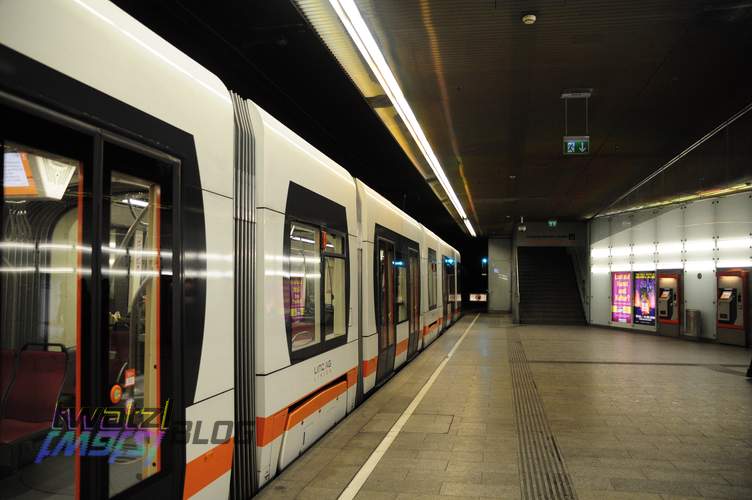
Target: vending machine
point(670, 303)
point(731, 307)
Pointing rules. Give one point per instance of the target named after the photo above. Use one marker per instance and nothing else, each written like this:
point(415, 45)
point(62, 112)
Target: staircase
point(548, 287)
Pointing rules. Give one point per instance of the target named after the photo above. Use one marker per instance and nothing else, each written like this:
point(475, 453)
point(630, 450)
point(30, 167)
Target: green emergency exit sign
point(576, 145)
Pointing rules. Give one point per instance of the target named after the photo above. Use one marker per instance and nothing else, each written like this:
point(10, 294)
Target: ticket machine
point(669, 303)
point(666, 303)
point(727, 306)
point(731, 307)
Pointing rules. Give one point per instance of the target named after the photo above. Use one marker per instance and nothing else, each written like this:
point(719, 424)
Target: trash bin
point(694, 323)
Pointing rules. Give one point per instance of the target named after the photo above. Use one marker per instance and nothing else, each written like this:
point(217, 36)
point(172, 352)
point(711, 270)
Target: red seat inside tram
point(33, 394)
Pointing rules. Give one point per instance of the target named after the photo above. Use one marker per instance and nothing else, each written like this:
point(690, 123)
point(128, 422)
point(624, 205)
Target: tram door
point(445, 292)
point(452, 291)
point(386, 321)
point(414, 301)
point(82, 306)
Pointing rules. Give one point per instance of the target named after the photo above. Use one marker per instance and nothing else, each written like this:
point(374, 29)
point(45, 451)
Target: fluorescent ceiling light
point(361, 36)
point(304, 240)
point(17, 245)
point(136, 202)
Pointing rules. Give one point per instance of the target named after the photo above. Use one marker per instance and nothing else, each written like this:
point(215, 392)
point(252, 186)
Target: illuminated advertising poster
point(644, 298)
point(621, 297)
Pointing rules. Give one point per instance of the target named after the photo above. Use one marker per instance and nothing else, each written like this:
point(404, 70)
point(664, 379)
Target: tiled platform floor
point(633, 416)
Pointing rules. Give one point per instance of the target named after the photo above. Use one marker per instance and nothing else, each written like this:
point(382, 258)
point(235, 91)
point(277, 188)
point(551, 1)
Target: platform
point(628, 415)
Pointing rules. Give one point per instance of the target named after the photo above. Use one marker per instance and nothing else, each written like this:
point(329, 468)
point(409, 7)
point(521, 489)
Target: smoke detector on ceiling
point(529, 19)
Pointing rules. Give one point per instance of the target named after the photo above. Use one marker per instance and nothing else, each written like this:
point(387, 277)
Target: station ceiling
point(487, 88)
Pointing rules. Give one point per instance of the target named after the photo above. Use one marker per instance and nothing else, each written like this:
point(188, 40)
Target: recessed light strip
point(356, 27)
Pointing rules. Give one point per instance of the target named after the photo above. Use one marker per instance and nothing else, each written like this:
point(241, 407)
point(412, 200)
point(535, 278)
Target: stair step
point(548, 287)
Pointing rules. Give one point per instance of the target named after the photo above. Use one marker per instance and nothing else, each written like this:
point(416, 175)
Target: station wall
point(697, 238)
point(499, 274)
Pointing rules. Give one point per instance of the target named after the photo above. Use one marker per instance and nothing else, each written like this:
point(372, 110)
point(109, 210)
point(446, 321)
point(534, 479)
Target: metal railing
point(580, 276)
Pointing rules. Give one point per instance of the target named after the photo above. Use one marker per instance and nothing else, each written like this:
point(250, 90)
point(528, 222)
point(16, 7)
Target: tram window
point(132, 262)
point(315, 289)
point(452, 283)
point(334, 286)
point(40, 261)
point(334, 243)
point(458, 287)
point(400, 267)
point(386, 293)
point(334, 297)
point(414, 276)
point(304, 286)
point(431, 278)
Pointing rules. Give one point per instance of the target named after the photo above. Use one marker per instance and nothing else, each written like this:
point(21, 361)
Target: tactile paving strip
point(543, 474)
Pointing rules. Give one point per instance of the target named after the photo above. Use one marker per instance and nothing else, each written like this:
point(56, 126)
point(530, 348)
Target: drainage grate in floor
point(543, 474)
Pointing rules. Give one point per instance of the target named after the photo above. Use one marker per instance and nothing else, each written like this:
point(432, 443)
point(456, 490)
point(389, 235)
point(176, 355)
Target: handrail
point(580, 277)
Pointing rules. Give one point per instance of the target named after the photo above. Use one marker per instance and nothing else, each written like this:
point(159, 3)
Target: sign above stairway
point(543, 234)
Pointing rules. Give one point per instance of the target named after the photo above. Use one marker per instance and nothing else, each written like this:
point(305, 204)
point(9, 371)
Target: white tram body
point(296, 289)
point(431, 273)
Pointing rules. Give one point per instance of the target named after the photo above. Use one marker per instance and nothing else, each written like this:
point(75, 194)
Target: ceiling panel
point(486, 89)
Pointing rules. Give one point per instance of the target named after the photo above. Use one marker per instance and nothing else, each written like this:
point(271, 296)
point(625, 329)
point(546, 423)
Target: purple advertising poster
point(644, 298)
point(621, 297)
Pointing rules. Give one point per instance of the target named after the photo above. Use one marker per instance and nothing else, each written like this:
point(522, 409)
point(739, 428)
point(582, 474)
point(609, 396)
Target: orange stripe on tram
point(369, 366)
point(352, 377)
point(429, 328)
point(207, 468)
point(270, 428)
point(315, 404)
point(401, 347)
